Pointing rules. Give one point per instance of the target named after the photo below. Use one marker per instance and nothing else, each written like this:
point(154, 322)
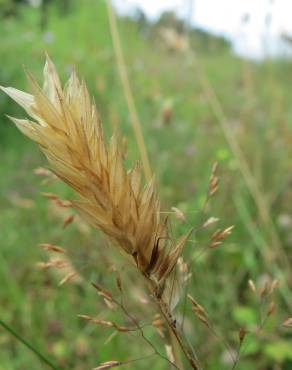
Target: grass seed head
point(214, 181)
point(219, 236)
point(68, 220)
point(68, 277)
point(179, 214)
point(66, 125)
point(52, 248)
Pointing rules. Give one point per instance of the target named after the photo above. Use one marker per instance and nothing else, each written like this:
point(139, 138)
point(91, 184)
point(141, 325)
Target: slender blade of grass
point(28, 345)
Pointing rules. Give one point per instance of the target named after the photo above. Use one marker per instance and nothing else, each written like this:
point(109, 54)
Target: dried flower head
point(66, 126)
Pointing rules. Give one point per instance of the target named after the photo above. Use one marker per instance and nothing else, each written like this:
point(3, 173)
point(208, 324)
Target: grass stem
point(121, 65)
point(43, 358)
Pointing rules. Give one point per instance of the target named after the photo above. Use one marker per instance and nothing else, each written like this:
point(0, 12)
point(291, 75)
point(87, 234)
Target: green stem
point(28, 345)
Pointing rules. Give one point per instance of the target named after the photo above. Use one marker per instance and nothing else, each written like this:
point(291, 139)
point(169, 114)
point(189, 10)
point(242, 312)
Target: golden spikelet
point(66, 125)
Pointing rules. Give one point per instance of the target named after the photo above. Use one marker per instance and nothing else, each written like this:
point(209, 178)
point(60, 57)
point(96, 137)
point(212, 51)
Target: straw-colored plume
point(66, 125)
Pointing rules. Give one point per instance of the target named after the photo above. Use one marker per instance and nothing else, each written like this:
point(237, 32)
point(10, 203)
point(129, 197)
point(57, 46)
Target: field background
point(196, 107)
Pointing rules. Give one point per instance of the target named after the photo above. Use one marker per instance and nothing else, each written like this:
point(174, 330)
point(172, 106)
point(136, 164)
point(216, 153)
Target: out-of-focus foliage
point(9, 7)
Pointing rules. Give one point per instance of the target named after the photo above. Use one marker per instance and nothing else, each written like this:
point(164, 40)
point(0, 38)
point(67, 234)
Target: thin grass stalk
point(176, 337)
point(33, 349)
point(122, 70)
point(193, 363)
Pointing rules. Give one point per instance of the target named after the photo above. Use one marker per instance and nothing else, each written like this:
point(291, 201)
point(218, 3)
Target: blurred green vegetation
point(184, 139)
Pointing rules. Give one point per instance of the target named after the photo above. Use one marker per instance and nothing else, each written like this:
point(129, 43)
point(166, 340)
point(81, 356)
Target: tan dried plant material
point(252, 286)
point(287, 323)
point(59, 202)
point(61, 265)
point(65, 124)
point(69, 274)
point(179, 214)
point(219, 236)
point(197, 307)
point(210, 221)
point(203, 319)
point(50, 196)
point(58, 263)
point(169, 353)
point(199, 311)
point(108, 365)
point(111, 337)
point(274, 284)
point(214, 181)
point(52, 248)
point(105, 293)
point(159, 325)
point(68, 277)
point(108, 303)
point(41, 171)
point(68, 220)
point(105, 323)
point(63, 203)
point(48, 176)
point(183, 270)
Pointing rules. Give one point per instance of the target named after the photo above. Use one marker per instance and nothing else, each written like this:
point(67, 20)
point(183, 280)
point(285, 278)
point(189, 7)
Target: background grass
point(256, 100)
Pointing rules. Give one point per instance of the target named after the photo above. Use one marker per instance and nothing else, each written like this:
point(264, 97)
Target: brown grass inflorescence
point(66, 125)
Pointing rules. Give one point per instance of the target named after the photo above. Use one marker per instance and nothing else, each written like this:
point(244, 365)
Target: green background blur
point(182, 125)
